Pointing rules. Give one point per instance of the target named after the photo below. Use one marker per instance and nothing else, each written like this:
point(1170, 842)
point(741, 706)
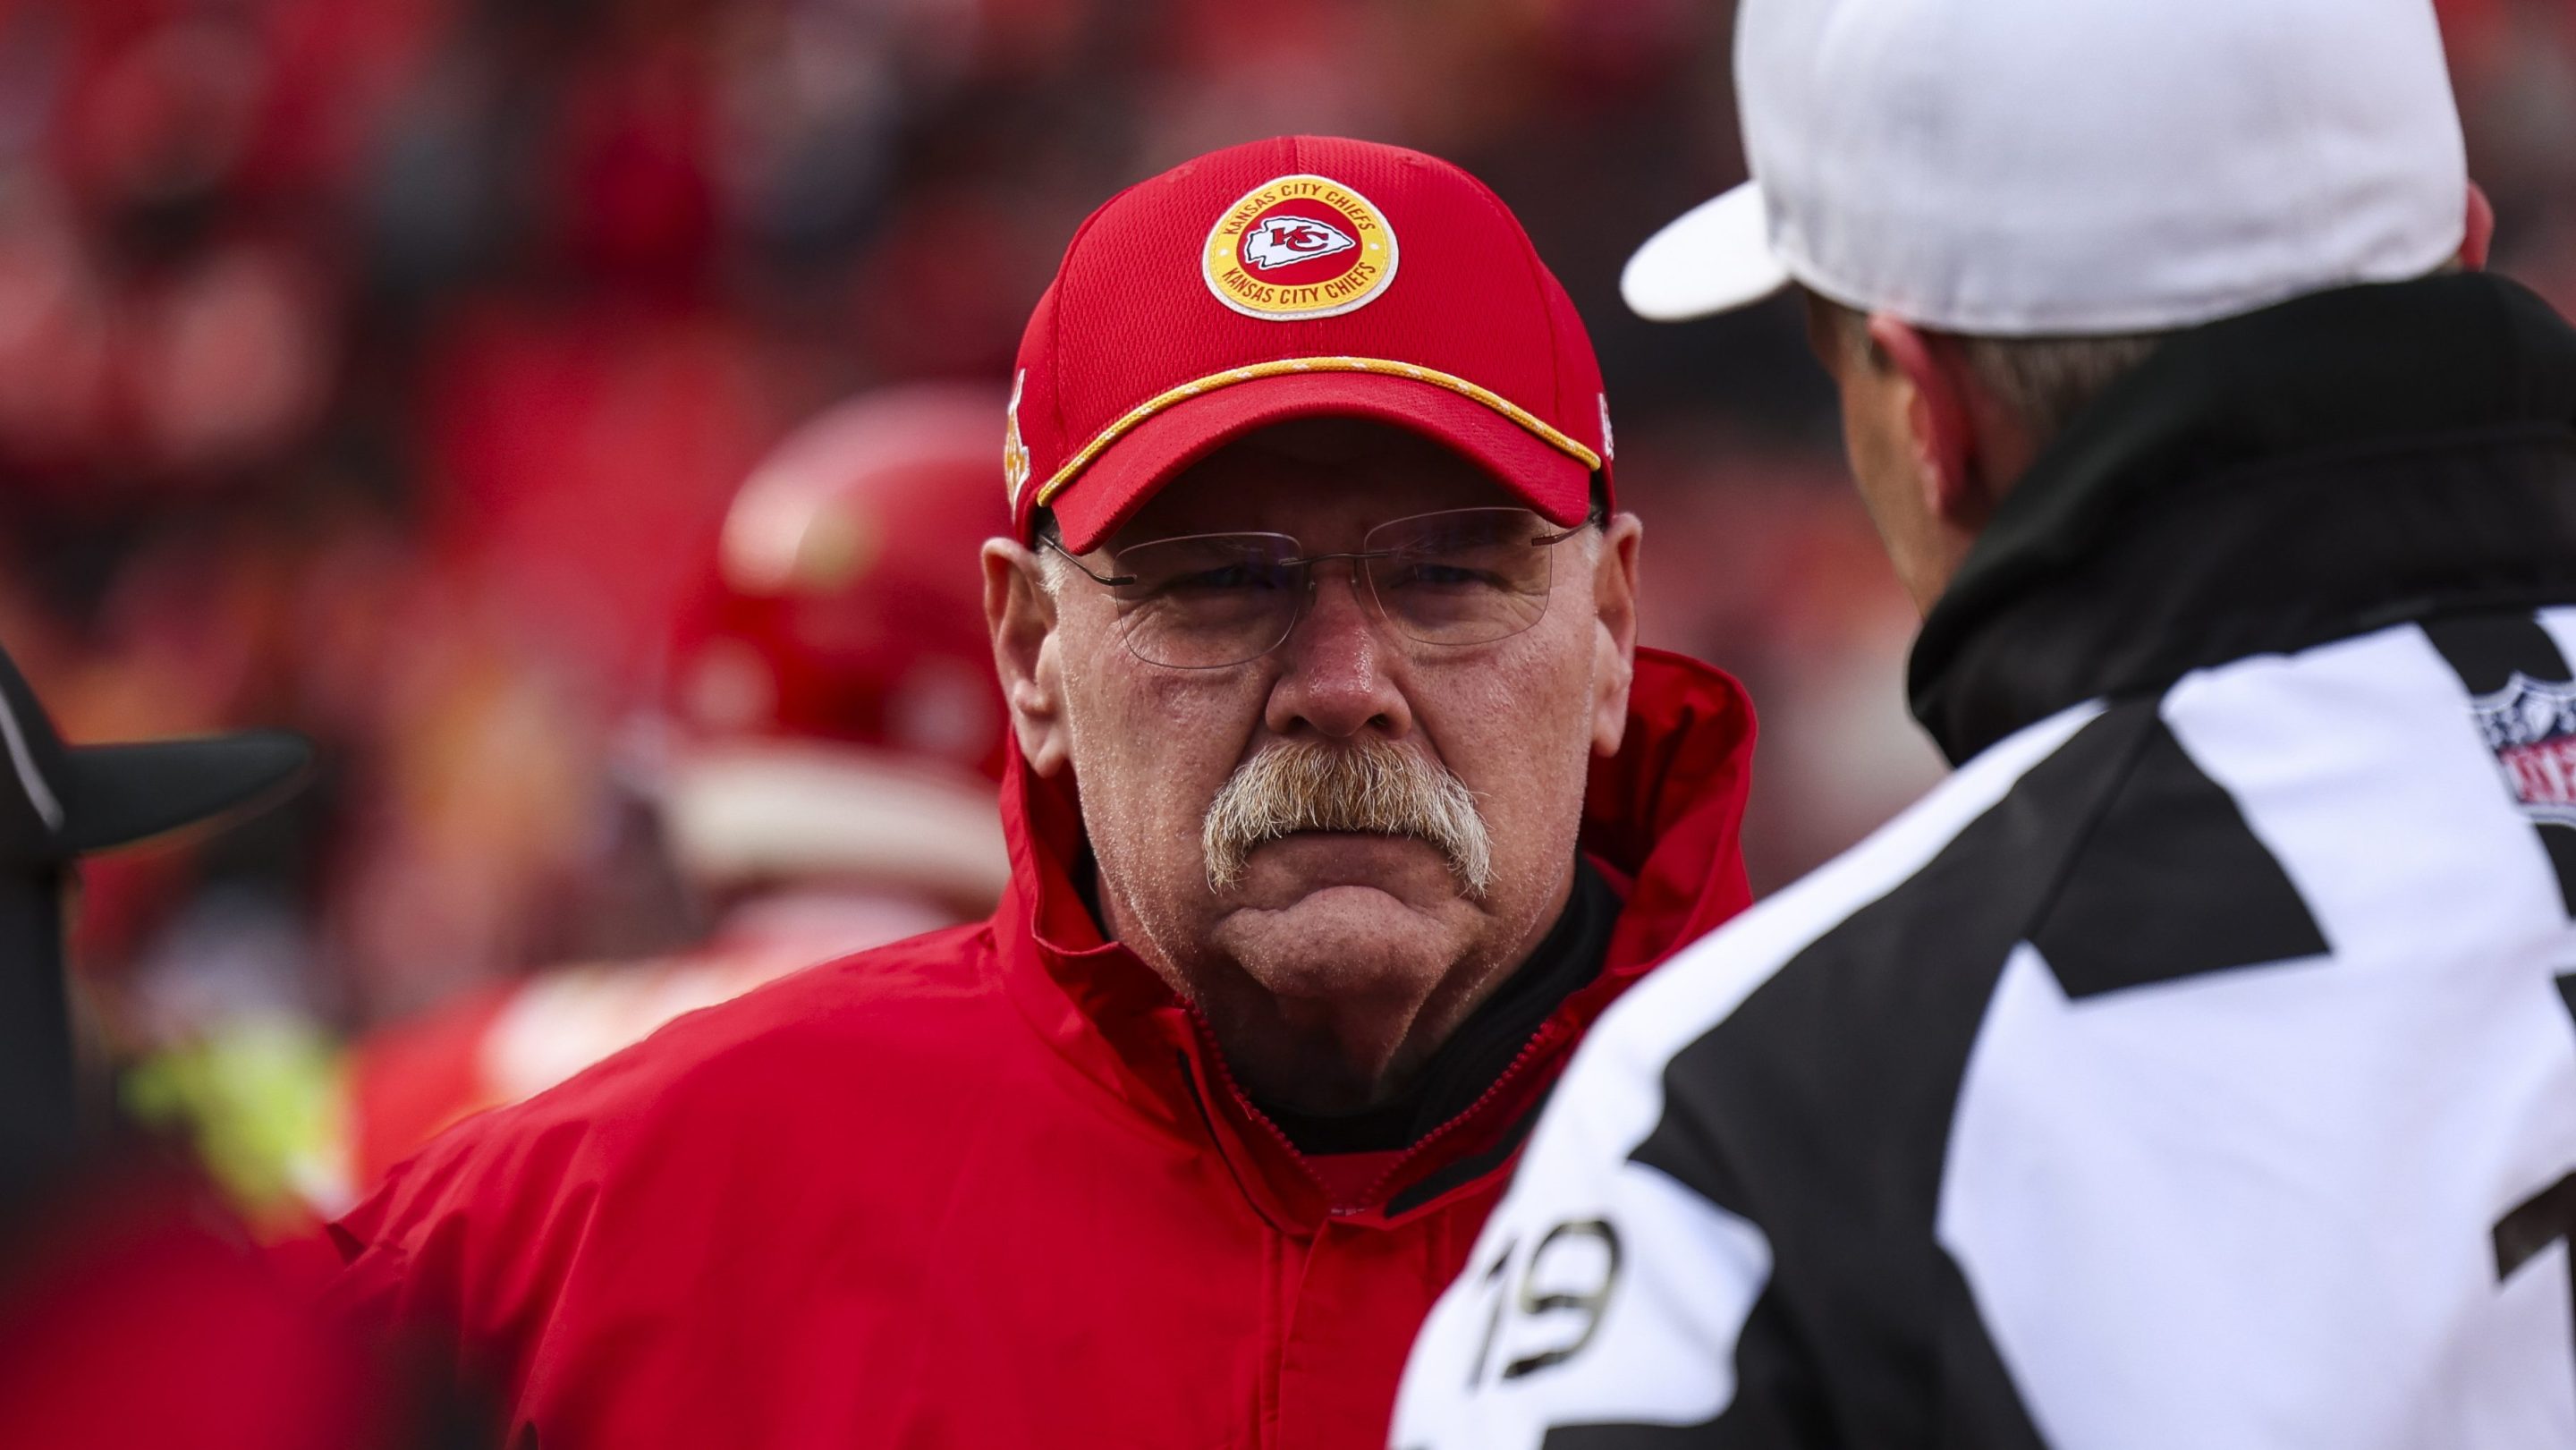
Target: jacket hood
point(2266, 483)
point(1662, 820)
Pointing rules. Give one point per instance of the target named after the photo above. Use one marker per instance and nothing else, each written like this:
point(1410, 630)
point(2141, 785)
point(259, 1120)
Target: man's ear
point(1614, 633)
point(1942, 417)
point(2479, 233)
point(1021, 614)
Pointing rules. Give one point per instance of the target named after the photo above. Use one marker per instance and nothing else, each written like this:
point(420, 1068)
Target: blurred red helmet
point(831, 694)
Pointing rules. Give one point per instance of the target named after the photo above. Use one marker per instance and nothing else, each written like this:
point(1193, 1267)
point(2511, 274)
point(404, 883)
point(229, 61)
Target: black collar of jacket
point(2269, 482)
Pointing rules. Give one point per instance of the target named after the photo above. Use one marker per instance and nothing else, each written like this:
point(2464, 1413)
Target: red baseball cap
point(1298, 277)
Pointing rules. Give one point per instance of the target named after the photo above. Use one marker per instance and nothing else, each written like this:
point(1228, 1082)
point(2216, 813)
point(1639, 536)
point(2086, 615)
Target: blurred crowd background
point(380, 368)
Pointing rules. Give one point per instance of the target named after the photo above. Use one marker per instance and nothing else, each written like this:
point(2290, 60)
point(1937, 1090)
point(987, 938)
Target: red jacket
point(404, 1083)
point(992, 1187)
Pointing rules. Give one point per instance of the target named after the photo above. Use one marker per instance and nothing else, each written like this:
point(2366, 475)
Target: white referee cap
point(2013, 168)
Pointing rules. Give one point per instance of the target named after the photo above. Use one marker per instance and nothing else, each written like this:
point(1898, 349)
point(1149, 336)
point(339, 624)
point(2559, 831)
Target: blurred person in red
point(827, 750)
point(1342, 803)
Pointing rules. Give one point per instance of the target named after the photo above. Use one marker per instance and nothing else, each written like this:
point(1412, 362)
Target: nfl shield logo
point(2531, 726)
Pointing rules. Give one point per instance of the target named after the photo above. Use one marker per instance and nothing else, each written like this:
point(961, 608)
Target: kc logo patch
point(2531, 726)
point(1299, 247)
point(1015, 454)
point(1281, 240)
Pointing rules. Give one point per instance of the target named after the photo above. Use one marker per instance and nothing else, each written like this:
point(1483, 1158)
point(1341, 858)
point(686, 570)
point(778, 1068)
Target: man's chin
point(1344, 943)
point(1324, 916)
point(1342, 871)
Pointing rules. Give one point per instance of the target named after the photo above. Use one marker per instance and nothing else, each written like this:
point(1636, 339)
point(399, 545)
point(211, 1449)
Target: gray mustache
point(1373, 786)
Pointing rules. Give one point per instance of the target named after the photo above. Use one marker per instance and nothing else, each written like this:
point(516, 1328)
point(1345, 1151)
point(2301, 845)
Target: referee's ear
point(1941, 418)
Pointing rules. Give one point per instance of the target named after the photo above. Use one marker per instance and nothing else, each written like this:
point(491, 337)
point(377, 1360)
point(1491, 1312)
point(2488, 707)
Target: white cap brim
point(1713, 258)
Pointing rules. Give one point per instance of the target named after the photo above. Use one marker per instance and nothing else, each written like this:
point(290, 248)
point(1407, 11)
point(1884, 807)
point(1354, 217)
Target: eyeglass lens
point(1459, 577)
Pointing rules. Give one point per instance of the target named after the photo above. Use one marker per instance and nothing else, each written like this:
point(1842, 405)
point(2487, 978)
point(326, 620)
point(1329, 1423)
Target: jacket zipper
point(1209, 1052)
point(1513, 1069)
point(1190, 1080)
point(1208, 1049)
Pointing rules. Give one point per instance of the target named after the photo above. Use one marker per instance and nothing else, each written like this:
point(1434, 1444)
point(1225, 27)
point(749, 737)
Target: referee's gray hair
point(2043, 381)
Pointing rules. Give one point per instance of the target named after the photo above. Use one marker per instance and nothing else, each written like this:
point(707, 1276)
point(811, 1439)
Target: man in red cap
point(1343, 803)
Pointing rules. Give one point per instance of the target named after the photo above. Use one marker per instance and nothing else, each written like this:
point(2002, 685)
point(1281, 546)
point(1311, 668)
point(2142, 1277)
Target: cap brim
point(1117, 483)
point(1713, 258)
point(117, 795)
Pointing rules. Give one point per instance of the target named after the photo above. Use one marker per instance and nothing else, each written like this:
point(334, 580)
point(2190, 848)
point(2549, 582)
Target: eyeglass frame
point(1596, 517)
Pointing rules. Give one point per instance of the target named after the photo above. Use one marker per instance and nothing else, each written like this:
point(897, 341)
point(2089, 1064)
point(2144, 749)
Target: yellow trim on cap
point(1213, 381)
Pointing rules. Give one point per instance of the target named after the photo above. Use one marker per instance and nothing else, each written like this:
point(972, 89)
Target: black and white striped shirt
point(2197, 1065)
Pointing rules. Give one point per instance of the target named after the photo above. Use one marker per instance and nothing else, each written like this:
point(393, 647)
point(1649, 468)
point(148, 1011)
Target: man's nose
point(1336, 668)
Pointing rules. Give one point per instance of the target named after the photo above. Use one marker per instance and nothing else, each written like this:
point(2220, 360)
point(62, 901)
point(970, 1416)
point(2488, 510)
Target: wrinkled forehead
point(1326, 481)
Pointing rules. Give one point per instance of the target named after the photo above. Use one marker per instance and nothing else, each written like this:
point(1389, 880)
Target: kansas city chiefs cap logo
point(1299, 247)
point(1280, 240)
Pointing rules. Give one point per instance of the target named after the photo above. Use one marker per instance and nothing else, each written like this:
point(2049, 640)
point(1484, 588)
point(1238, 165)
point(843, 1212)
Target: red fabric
point(990, 1186)
point(1351, 1179)
point(1129, 474)
point(130, 1321)
point(409, 1081)
point(1134, 313)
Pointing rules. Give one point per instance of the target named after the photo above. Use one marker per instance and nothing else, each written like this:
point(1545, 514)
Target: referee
point(2197, 1065)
